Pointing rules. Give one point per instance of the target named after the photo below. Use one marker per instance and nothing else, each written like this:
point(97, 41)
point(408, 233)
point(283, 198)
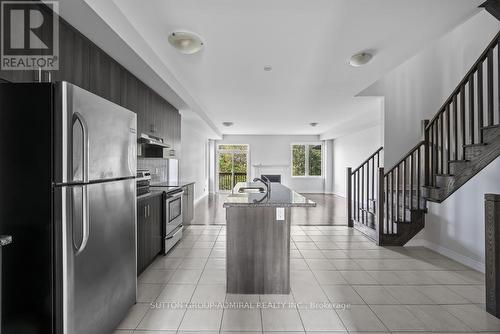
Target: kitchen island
point(258, 237)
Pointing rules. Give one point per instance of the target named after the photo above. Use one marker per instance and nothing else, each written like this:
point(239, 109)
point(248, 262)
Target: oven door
point(173, 217)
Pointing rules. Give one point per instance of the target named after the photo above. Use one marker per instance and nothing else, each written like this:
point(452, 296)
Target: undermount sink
point(251, 190)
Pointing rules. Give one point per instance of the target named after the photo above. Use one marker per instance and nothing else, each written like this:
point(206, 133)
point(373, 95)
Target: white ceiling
point(307, 42)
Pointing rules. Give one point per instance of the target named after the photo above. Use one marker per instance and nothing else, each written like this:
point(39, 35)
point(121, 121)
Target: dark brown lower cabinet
point(149, 229)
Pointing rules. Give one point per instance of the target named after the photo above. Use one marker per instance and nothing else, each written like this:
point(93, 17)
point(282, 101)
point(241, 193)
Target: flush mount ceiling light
point(268, 68)
point(227, 123)
point(360, 59)
point(185, 42)
point(313, 124)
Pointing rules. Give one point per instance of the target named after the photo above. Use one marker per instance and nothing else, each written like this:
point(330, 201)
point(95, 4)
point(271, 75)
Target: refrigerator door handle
point(77, 117)
point(85, 220)
point(85, 143)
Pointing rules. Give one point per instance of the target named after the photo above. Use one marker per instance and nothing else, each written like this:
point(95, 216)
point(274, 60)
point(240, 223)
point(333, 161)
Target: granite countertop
point(280, 196)
point(151, 193)
point(5, 240)
point(173, 184)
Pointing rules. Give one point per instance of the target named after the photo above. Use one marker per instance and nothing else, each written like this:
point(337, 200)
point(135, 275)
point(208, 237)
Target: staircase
point(389, 206)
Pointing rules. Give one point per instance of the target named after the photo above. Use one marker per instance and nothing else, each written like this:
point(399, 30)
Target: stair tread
point(490, 127)
point(475, 145)
point(431, 187)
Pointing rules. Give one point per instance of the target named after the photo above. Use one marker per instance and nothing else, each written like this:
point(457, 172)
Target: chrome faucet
point(267, 183)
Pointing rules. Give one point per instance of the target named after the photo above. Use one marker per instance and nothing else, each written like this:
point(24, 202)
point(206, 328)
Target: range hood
point(153, 141)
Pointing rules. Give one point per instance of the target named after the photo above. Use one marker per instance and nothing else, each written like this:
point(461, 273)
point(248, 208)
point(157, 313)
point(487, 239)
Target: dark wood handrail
point(367, 160)
point(465, 79)
point(415, 148)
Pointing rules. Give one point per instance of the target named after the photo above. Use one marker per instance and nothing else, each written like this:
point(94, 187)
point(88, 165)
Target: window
point(307, 159)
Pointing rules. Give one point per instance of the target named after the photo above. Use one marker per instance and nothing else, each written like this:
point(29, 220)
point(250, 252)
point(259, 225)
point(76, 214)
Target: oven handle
point(171, 197)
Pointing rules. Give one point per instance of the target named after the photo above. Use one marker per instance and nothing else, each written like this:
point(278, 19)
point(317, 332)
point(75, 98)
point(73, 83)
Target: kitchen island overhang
point(258, 237)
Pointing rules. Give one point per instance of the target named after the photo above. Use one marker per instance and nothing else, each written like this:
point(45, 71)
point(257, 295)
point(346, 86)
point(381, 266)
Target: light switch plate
point(280, 213)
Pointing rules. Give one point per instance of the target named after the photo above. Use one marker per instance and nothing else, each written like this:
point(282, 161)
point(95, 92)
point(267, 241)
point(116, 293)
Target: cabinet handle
point(149, 211)
point(145, 212)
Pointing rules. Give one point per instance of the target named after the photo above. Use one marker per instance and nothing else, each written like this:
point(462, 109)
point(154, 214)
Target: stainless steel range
point(172, 214)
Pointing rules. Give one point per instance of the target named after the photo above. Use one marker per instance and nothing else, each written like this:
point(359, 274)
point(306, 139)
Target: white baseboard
point(466, 261)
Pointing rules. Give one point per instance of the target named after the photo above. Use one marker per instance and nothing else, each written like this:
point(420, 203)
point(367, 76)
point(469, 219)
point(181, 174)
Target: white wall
point(194, 155)
point(275, 150)
point(350, 151)
point(414, 91)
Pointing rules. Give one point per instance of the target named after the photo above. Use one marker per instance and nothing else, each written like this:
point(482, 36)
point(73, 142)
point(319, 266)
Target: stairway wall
point(455, 228)
point(417, 88)
point(415, 91)
point(350, 151)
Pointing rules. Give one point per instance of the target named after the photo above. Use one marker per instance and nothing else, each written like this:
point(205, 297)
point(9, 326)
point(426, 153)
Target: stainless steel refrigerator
point(68, 197)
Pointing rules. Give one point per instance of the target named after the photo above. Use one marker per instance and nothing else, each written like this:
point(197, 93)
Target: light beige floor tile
point(289, 298)
point(360, 318)
point(329, 277)
point(203, 244)
point(215, 293)
point(345, 264)
point(309, 294)
point(281, 320)
point(147, 293)
point(326, 245)
point(397, 318)
point(335, 254)
point(440, 294)
point(408, 295)
point(446, 277)
point(199, 252)
point(241, 320)
point(216, 263)
point(134, 316)
point(193, 263)
point(162, 319)
point(386, 277)
point(474, 317)
point(185, 276)
point(474, 293)
point(375, 294)
point(242, 298)
point(295, 254)
point(303, 237)
point(320, 264)
point(437, 318)
point(201, 320)
point(157, 332)
point(298, 264)
point(342, 294)
point(176, 293)
point(415, 277)
point(312, 254)
point(213, 276)
point(358, 277)
point(155, 276)
point(218, 253)
point(165, 262)
point(303, 245)
point(320, 320)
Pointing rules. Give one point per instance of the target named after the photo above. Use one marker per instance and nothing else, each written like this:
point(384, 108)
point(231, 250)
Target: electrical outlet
point(280, 213)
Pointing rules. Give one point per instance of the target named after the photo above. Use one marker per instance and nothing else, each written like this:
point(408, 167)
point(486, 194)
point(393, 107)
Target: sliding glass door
point(232, 166)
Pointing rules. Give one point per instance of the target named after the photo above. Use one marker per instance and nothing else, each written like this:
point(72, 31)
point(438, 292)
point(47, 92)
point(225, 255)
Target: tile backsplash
point(157, 167)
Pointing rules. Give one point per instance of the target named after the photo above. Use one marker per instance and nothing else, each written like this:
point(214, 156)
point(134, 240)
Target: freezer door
point(98, 254)
point(95, 139)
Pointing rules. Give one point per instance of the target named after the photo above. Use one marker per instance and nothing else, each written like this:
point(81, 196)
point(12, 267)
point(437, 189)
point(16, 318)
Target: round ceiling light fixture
point(227, 123)
point(313, 124)
point(185, 42)
point(360, 59)
point(268, 68)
